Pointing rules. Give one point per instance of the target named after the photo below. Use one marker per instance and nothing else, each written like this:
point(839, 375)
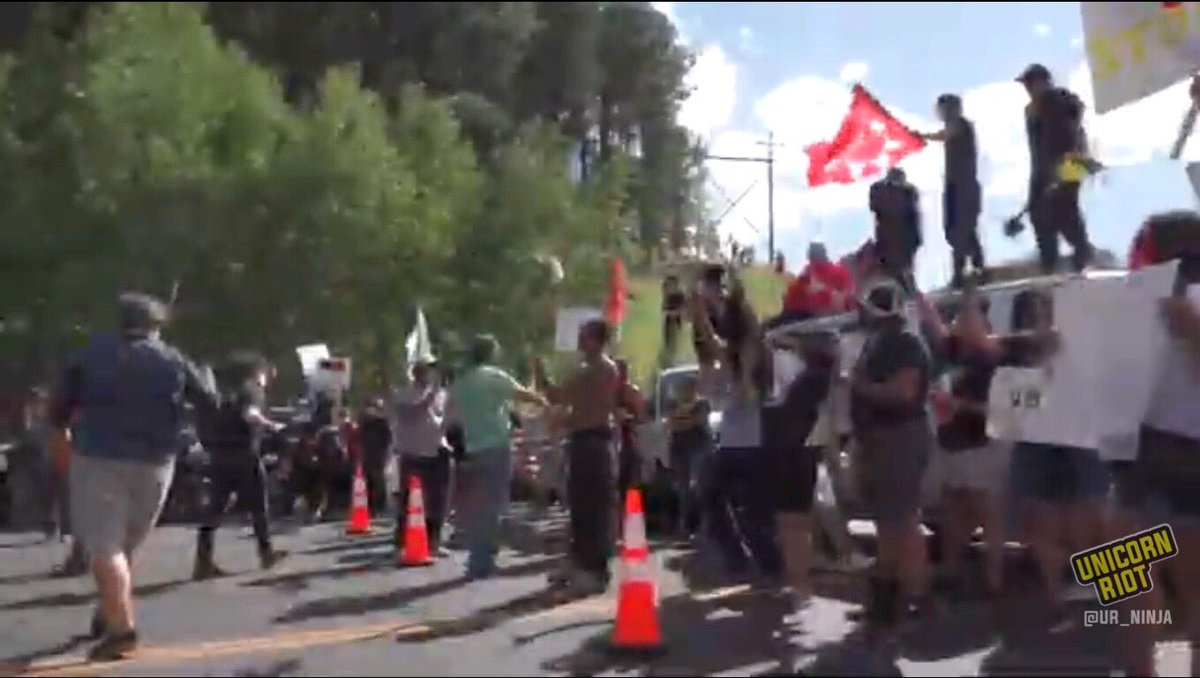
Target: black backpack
point(223, 427)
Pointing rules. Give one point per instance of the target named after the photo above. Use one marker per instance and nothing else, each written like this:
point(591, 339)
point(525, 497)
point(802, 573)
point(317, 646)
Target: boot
point(269, 557)
point(205, 567)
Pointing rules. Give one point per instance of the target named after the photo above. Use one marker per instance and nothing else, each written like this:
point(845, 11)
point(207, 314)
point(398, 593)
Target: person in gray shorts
point(889, 387)
point(127, 390)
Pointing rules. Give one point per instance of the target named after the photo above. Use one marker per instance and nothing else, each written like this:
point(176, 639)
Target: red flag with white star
point(869, 143)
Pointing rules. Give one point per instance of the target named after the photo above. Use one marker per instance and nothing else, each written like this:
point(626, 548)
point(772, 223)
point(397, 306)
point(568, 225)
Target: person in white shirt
point(419, 411)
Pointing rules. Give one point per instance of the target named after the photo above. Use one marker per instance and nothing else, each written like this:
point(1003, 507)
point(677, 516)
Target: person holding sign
point(974, 464)
point(1060, 489)
point(1160, 485)
point(1054, 126)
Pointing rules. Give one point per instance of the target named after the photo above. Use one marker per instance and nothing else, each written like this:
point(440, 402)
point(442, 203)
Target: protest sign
point(1135, 49)
point(310, 356)
point(568, 322)
point(332, 376)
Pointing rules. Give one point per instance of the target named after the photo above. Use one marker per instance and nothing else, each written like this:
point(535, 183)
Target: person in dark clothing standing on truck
point(128, 390)
point(233, 439)
point(961, 195)
point(896, 205)
point(1054, 126)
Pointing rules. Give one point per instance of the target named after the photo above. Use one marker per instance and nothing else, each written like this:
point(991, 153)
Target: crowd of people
point(750, 485)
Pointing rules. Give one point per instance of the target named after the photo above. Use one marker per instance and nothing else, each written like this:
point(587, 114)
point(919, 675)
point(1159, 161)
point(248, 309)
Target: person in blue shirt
point(128, 390)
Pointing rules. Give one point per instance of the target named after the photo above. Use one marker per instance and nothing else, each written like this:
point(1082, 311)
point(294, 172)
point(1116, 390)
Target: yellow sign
point(1120, 569)
point(1137, 48)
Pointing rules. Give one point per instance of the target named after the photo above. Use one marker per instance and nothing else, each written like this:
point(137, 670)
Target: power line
point(769, 161)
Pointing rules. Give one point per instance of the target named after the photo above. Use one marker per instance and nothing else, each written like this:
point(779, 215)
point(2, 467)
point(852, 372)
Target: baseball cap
point(1034, 72)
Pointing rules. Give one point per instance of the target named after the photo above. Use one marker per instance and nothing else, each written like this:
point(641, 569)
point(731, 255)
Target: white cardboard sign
point(1135, 49)
point(568, 322)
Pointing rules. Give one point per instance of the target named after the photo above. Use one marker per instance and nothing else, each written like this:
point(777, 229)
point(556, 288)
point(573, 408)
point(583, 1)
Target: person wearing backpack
point(233, 438)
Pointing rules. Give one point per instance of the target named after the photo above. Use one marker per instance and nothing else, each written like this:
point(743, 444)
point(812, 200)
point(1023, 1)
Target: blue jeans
point(485, 478)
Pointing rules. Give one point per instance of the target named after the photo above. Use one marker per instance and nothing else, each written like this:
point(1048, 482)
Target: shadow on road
point(72, 599)
point(16, 665)
point(341, 606)
point(280, 668)
point(491, 617)
point(29, 578)
point(703, 637)
point(348, 544)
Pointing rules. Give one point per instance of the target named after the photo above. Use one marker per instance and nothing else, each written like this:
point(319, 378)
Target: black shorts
point(795, 478)
point(1162, 482)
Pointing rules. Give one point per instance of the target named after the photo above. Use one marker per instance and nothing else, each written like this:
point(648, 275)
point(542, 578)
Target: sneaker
point(114, 647)
point(206, 571)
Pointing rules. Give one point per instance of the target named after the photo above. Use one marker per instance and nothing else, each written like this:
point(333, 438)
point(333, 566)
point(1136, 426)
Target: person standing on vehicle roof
point(962, 198)
point(128, 389)
point(896, 205)
point(1054, 126)
point(233, 438)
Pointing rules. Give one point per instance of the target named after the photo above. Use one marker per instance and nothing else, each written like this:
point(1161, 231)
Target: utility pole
point(771, 198)
point(770, 163)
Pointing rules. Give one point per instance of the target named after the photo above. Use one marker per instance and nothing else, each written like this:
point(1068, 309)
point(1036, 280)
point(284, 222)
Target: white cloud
point(713, 80)
point(1041, 30)
point(854, 71)
point(1077, 42)
point(1138, 132)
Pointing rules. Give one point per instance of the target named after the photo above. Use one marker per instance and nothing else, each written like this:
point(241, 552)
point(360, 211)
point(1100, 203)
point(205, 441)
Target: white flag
point(417, 344)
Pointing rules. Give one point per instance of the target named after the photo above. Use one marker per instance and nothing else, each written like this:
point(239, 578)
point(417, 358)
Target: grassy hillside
point(641, 335)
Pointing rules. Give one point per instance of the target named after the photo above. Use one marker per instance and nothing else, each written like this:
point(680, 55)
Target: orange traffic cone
point(637, 603)
point(415, 552)
point(360, 513)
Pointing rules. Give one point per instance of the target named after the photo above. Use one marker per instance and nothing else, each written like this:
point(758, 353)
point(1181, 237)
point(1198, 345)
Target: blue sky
point(786, 67)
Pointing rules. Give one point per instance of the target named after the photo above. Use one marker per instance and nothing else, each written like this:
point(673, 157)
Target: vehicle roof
point(945, 300)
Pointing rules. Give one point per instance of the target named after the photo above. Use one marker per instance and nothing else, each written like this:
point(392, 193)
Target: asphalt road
point(339, 606)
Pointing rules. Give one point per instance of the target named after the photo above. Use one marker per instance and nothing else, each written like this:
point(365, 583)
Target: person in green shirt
point(481, 401)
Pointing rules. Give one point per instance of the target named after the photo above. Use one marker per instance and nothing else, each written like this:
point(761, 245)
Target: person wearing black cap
point(128, 390)
point(896, 205)
point(961, 195)
point(233, 435)
point(1054, 126)
point(889, 387)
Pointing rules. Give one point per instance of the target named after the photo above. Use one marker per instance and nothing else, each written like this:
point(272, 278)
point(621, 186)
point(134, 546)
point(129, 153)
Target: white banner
point(1135, 49)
